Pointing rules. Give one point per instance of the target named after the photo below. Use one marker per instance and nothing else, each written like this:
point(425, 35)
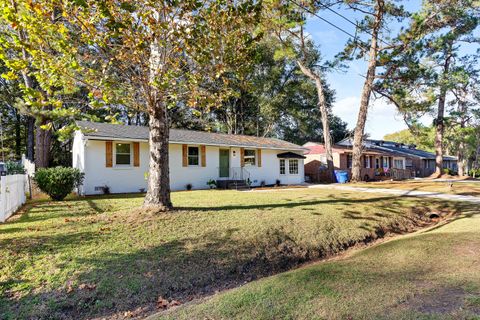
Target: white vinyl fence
point(28, 165)
point(12, 194)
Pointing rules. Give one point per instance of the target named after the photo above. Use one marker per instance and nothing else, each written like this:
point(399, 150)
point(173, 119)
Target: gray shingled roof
point(97, 130)
point(389, 146)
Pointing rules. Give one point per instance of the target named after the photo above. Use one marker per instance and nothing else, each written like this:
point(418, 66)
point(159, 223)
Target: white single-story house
point(117, 156)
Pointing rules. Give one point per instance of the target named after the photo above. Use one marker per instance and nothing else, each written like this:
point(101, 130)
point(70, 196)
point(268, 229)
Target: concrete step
point(238, 185)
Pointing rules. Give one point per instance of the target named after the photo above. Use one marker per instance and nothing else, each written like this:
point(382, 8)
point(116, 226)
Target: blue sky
point(383, 118)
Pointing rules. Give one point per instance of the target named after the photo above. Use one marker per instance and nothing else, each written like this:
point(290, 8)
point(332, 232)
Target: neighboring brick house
point(421, 162)
point(380, 160)
point(375, 163)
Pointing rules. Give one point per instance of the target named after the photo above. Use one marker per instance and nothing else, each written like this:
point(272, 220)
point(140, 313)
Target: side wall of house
point(125, 179)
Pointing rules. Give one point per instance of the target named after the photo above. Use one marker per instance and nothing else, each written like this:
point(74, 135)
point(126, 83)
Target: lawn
point(430, 274)
point(459, 188)
point(101, 257)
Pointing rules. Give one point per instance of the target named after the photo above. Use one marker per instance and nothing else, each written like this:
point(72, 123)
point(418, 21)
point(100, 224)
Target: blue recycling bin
point(341, 176)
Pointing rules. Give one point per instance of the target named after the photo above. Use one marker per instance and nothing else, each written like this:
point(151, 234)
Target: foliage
point(58, 182)
point(432, 69)
point(14, 167)
point(423, 137)
point(474, 173)
point(212, 183)
point(259, 107)
point(449, 171)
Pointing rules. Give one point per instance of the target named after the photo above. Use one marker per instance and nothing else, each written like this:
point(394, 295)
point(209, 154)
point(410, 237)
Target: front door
point(224, 163)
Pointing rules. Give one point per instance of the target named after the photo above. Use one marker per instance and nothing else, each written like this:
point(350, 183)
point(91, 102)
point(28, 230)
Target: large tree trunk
point(158, 194)
point(30, 138)
point(462, 145)
point(322, 105)
point(440, 119)
point(365, 98)
point(439, 130)
point(461, 161)
point(43, 144)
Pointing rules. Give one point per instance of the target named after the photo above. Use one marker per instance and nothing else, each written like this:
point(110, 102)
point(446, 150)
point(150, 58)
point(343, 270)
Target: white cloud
point(382, 117)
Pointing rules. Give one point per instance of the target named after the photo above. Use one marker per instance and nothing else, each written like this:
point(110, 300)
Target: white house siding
point(118, 178)
point(90, 158)
point(269, 172)
point(197, 176)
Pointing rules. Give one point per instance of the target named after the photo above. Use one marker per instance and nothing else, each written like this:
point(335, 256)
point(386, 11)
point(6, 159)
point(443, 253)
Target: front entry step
point(232, 184)
point(238, 185)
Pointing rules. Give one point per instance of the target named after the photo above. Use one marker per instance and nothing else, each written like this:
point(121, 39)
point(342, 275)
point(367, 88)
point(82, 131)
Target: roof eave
point(193, 142)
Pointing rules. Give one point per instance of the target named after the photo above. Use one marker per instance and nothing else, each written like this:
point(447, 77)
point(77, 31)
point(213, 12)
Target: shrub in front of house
point(450, 172)
point(58, 182)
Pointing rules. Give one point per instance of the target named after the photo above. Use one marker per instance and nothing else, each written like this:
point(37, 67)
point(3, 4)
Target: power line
point(321, 18)
point(338, 14)
point(332, 24)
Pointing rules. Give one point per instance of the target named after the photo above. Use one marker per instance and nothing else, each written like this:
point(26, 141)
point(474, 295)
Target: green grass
point(96, 257)
point(430, 274)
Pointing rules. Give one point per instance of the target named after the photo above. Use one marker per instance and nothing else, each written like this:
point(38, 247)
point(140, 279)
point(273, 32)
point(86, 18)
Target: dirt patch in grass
point(468, 250)
point(444, 301)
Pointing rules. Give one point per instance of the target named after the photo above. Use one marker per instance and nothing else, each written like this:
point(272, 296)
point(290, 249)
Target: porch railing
point(236, 173)
point(394, 173)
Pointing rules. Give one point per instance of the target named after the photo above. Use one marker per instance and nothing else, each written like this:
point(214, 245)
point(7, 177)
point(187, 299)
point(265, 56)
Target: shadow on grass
point(182, 269)
point(126, 281)
point(290, 204)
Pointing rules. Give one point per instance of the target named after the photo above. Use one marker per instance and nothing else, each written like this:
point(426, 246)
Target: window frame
point(385, 162)
point(366, 162)
point(395, 161)
point(284, 167)
point(130, 154)
point(193, 156)
point(349, 161)
point(254, 157)
point(297, 166)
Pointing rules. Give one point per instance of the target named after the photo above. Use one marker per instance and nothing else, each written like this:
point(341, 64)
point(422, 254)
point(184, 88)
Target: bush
point(58, 182)
point(13, 167)
point(449, 172)
point(474, 172)
point(212, 183)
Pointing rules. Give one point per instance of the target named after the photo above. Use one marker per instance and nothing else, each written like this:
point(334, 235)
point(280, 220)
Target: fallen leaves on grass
point(86, 286)
point(165, 304)
point(128, 314)
point(162, 303)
